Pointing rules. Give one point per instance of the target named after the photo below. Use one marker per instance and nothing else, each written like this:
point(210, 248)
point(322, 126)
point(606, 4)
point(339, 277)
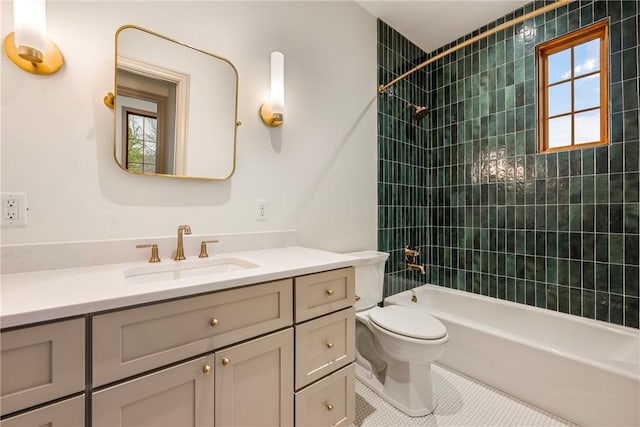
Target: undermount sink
point(175, 270)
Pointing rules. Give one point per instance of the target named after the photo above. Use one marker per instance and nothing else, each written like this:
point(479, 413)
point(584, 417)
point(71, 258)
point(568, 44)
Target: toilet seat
point(407, 321)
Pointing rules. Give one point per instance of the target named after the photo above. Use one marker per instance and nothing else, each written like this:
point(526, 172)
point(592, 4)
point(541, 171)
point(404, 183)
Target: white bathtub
point(583, 370)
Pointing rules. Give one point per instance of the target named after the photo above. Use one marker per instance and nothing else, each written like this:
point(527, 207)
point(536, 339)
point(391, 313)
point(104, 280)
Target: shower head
point(419, 112)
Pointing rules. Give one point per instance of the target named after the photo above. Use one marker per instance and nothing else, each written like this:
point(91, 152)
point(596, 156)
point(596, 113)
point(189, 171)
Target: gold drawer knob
point(329, 345)
point(329, 407)
point(214, 322)
point(329, 292)
point(225, 361)
point(206, 369)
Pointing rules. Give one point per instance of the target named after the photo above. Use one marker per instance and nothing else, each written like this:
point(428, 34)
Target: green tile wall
point(558, 231)
point(403, 168)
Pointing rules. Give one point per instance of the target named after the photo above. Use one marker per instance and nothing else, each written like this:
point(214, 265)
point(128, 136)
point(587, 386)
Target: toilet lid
point(408, 321)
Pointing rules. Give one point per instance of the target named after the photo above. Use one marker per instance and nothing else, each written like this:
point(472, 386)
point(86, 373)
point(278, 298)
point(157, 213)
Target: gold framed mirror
point(175, 107)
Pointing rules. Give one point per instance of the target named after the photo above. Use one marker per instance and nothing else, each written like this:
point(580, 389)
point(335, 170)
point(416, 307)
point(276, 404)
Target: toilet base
point(415, 398)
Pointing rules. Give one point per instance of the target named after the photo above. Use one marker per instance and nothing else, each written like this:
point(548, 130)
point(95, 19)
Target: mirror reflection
point(175, 107)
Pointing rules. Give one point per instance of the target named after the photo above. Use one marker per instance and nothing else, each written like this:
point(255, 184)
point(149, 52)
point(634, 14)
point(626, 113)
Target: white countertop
point(52, 294)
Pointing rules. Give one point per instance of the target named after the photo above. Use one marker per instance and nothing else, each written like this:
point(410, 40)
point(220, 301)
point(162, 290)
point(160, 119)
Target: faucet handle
point(154, 251)
point(413, 253)
point(203, 248)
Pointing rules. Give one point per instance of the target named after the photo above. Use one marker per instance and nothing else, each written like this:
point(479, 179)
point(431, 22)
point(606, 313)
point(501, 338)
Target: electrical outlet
point(14, 209)
point(262, 210)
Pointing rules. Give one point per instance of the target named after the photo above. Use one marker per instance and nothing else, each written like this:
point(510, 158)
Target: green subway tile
point(575, 301)
point(575, 217)
point(602, 277)
point(588, 304)
point(631, 312)
point(602, 188)
point(616, 309)
point(588, 189)
point(602, 306)
point(616, 248)
point(631, 281)
point(616, 278)
point(631, 187)
point(631, 218)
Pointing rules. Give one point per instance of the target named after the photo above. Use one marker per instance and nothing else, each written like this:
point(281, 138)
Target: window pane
point(587, 126)
point(560, 132)
point(587, 92)
point(559, 65)
point(559, 99)
point(149, 130)
point(135, 126)
point(586, 57)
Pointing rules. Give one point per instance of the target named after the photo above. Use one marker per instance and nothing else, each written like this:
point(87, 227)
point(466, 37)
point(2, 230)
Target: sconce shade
point(30, 27)
point(28, 46)
point(272, 112)
point(277, 82)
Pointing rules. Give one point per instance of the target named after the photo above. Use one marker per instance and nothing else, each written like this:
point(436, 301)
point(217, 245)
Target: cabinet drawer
point(132, 341)
point(68, 413)
point(41, 363)
point(321, 293)
point(324, 345)
point(329, 402)
point(178, 396)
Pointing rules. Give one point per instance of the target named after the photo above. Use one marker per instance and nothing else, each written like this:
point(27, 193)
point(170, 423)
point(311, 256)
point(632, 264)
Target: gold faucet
point(416, 267)
point(411, 258)
point(183, 229)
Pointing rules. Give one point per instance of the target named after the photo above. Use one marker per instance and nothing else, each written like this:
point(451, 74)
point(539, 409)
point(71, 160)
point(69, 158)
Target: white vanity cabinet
point(42, 363)
point(278, 353)
point(325, 348)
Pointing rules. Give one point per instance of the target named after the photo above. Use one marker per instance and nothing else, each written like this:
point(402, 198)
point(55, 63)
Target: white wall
point(318, 171)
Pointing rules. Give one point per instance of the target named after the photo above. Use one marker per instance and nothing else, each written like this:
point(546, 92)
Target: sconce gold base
point(109, 99)
point(51, 62)
point(268, 117)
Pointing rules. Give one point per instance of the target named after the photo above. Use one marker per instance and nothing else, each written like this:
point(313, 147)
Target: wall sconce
point(28, 46)
point(272, 112)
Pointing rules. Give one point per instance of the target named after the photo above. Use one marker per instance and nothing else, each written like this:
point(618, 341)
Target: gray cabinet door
point(178, 396)
point(254, 382)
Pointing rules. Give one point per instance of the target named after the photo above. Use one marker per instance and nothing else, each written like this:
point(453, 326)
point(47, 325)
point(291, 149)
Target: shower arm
point(383, 88)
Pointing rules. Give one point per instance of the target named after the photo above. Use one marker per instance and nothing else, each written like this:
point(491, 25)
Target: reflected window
point(146, 135)
point(572, 89)
point(142, 141)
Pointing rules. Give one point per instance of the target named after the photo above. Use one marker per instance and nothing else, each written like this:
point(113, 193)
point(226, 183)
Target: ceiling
point(431, 24)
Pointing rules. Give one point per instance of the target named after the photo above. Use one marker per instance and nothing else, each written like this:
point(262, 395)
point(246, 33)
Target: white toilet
point(395, 345)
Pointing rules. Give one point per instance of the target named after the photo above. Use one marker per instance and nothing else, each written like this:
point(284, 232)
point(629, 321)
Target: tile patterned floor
point(462, 402)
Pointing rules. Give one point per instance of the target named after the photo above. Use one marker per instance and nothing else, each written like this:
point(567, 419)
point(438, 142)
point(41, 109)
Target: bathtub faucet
point(411, 259)
point(416, 267)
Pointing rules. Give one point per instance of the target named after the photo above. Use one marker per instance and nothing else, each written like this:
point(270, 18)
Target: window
point(141, 140)
point(572, 90)
point(142, 126)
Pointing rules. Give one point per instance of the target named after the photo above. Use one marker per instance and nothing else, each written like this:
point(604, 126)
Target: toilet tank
point(369, 269)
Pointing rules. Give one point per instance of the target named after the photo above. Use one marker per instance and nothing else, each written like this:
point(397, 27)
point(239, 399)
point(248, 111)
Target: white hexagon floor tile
point(462, 402)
